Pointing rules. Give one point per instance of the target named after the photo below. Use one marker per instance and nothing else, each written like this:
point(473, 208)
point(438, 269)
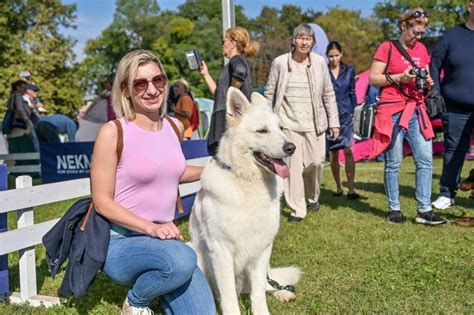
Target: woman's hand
point(165, 231)
point(429, 79)
point(406, 77)
point(203, 68)
point(335, 132)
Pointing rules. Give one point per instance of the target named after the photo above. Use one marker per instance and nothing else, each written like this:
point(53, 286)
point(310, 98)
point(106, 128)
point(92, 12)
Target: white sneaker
point(128, 309)
point(442, 202)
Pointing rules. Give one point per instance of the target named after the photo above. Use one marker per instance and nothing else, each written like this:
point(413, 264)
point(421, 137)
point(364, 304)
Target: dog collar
point(220, 163)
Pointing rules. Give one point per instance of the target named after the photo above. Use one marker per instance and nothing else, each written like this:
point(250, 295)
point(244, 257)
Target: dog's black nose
point(289, 148)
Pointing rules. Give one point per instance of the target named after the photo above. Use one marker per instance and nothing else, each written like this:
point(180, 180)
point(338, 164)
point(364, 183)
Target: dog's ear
point(236, 104)
point(258, 99)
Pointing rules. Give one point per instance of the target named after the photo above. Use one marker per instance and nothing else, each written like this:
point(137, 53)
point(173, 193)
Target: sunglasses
point(158, 81)
point(418, 14)
point(417, 33)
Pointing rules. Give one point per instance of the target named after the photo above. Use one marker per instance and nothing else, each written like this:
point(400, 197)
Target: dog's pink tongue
point(281, 168)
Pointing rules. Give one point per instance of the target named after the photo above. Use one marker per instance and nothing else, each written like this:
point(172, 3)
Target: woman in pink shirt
point(401, 114)
point(138, 193)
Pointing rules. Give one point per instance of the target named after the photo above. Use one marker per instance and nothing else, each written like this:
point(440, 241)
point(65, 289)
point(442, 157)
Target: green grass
point(353, 259)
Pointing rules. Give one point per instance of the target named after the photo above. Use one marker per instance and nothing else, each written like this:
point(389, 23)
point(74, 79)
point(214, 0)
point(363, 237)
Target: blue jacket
point(86, 250)
point(344, 88)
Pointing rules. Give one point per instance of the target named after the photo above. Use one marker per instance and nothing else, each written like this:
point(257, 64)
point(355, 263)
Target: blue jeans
point(457, 127)
point(422, 154)
point(159, 268)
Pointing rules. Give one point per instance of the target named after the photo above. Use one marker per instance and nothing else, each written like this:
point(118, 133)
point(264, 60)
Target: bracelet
point(389, 79)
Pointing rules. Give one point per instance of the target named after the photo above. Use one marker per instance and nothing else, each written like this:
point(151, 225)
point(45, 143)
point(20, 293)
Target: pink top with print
point(398, 64)
point(148, 172)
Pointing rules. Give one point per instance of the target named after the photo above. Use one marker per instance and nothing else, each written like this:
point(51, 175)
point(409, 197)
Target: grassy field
point(354, 260)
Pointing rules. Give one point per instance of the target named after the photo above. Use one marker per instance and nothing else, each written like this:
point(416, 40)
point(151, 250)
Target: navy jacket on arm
point(86, 250)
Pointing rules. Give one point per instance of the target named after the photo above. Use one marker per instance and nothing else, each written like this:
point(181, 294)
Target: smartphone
point(194, 59)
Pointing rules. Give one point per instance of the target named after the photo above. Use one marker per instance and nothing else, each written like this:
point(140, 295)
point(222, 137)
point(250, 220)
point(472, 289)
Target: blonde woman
point(137, 194)
point(236, 45)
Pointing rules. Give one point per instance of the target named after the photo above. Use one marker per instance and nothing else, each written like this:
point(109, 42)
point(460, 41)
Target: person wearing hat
point(25, 75)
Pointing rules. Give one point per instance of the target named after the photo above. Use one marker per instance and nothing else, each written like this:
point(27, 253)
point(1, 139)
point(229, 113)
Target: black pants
point(457, 136)
point(47, 132)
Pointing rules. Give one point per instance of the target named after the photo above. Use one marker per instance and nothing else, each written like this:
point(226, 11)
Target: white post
point(27, 256)
point(228, 17)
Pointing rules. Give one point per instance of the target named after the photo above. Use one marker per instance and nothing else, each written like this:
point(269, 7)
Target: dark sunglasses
point(418, 14)
point(159, 82)
point(417, 33)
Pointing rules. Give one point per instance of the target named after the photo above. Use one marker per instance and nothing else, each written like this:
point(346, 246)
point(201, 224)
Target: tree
point(273, 29)
point(30, 39)
point(443, 14)
point(135, 25)
point(365, 35)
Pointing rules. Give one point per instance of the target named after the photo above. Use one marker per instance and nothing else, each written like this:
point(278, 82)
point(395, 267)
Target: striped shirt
point(296, 111)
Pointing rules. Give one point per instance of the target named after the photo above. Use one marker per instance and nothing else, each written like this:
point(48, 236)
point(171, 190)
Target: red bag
point(195, 117)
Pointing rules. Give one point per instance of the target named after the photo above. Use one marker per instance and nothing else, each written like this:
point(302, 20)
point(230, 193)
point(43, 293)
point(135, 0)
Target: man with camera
point(455, 54)
point(401, 114)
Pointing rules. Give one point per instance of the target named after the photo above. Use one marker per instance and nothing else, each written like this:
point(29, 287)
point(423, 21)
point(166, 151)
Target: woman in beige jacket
point(300, 90)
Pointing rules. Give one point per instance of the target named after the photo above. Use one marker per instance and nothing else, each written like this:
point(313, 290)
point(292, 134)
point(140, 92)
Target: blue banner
point(4, 285)
point(65, 161)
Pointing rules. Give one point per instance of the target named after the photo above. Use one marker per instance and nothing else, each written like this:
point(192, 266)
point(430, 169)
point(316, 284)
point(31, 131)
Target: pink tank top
point(148, 172)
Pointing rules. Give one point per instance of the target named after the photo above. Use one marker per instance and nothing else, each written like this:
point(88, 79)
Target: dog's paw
point(284, 295)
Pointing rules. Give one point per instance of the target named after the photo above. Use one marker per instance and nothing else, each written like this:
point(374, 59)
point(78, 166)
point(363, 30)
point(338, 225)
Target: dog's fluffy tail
point(281, 278)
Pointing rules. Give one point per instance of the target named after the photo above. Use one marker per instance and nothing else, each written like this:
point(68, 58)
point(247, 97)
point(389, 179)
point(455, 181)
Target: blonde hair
point(181, 83)
point(410, 20)
point(123, 83)
point(241, 37)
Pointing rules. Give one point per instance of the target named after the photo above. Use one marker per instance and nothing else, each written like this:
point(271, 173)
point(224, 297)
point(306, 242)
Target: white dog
point(236, 213)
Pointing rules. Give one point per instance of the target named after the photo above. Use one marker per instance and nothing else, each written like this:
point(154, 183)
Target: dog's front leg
point(258, 283)
point(223, 268)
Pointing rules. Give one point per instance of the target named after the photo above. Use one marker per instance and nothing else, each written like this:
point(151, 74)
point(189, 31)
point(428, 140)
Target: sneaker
point(395, 216)
point(314, 206)
point(442, 203)
point(128, 309)
point(429, 218)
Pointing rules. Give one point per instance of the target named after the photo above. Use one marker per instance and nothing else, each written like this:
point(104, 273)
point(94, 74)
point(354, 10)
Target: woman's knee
point(424, 159)
point(182, 262)
point(348, 152)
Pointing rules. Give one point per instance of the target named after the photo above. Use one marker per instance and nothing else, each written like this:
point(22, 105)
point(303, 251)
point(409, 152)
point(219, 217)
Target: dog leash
point(278, 286)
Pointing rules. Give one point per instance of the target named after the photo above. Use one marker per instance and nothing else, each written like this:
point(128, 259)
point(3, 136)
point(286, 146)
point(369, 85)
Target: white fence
point(11, 158)
point(27, 235)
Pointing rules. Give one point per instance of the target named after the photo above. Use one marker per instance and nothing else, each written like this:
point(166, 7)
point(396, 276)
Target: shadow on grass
point(359, 205)
point(103, 290)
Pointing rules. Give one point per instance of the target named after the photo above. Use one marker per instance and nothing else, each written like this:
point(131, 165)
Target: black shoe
point(353, 196)
point(338, 193)
point(395, 216)
point(429, 218)
point(313, 206)
point(293, 219)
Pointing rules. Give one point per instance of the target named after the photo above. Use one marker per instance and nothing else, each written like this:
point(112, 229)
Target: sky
point(95, 15)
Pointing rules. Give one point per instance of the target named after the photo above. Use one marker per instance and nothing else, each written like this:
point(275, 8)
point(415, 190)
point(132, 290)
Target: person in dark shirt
point(235, 45)
point(343, 81)
point(454, 54)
